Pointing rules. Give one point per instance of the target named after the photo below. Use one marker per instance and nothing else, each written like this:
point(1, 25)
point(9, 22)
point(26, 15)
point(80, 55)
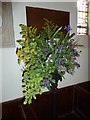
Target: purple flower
point(61, 68)
point(48, 42)
point(63, 47)
point(60, 47)
point(45, 51)
point(59, 60)
point(77, 54)
point(46, 82)
point(68, 28)
point(49, 57)
point(63, 62)
point(70, 45)
point(74, 60)
point(78, 65)
point(73, 50)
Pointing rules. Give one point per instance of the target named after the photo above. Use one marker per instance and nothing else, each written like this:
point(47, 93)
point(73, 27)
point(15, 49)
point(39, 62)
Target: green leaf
point(56, 32)
point(34, 96)
point(35, 68)
point(25, 102)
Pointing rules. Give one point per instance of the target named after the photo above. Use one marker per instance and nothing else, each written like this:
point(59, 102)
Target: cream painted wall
point(0, 75)
point(11, 75)
point(0, 56)
point(20, 13)
point(89, 18)
point(11, 72)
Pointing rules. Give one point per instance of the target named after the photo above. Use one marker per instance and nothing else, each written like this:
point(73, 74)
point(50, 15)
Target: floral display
point(47, 55)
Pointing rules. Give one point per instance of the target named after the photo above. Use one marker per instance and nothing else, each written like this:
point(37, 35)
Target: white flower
point(61, 68)
point(56, 39)
point(71, 71)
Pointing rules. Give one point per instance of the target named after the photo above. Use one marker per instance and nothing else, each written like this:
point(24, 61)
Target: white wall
point(0, 75)
point(89, 18)
point(11, 75)
point(19, 12)
point(11, 70)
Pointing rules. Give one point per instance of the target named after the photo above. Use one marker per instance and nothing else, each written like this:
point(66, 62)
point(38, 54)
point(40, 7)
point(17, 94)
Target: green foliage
point(42, 55)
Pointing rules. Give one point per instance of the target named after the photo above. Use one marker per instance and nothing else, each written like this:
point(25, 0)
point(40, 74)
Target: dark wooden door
point(35, 16)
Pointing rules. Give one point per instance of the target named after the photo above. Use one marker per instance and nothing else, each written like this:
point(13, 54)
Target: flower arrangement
point(47, 56)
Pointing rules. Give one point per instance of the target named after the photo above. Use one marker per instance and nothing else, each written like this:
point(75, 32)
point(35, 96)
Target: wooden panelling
point(42, 108)
point(65, 100)
point(10, 110)
point(0, 111)
point(35, 16)
point(82, 99)
point(72, 103)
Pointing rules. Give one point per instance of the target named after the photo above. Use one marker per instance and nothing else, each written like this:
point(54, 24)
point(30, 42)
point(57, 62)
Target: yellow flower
point(51, 60)
point(46, 61)
point(32, 50)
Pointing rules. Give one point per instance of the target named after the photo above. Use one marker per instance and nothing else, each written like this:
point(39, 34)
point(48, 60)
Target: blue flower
point(46, 51)
point(61, 68)
point(77, 54)
point(68, 28)
point(73, 60)
point(73, 50)
point(63, 62)
point(59, 60)
point(59, 47)
point(70, 45)
point(46, 82)
point(78, 65)
point(48, 42)
point(62, 47)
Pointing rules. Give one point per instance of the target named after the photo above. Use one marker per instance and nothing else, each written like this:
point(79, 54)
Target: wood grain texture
point(35, 16)
point(72, 103)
